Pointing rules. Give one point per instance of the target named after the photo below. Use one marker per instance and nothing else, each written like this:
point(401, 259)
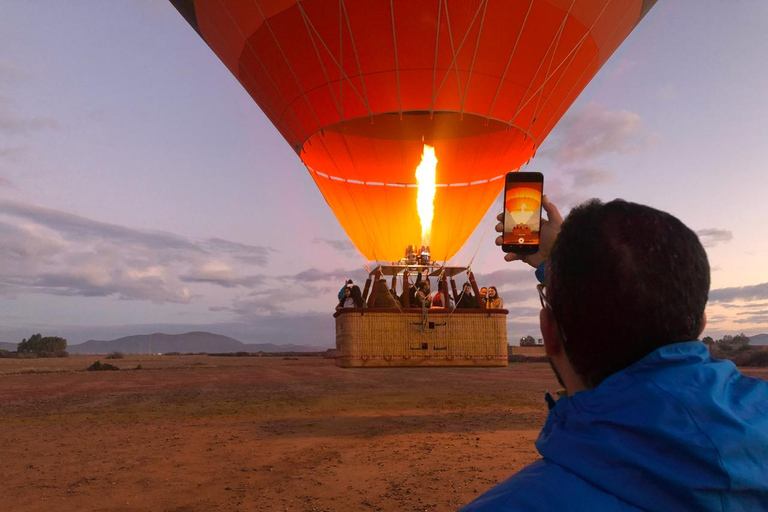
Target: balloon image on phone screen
point(522, 212)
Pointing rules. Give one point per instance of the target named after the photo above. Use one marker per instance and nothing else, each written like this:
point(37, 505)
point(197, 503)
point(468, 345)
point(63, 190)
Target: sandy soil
point(197, 433)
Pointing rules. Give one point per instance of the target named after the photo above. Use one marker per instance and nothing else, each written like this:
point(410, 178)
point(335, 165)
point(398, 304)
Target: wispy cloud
point(756, 319)
point(343, 246)
point(595, 131)
point(13, 124)
point(507, 278)
point(10, 72)
point(59, 253)
point(590, 176)
point(6, 182)
point(339, 275)
point(742, 293)
point(742, 307)
point(13, 154)
point(712, 237)
point(254, 254)
point(222, 274)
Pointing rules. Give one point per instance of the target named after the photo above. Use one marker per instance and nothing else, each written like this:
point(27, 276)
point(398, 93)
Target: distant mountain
point(189, 342)
point(758, 339)
point(8, 346)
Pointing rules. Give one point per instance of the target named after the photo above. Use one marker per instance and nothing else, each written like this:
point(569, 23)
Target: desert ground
point(200, 433)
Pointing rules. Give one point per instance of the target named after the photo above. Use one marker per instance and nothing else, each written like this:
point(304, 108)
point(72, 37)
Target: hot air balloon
point(367, 91)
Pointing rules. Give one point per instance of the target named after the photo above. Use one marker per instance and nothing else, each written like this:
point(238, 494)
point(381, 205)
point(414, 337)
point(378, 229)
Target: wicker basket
point(370, 337)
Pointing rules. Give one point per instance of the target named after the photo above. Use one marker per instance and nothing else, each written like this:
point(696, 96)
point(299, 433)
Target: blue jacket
point(676, 431)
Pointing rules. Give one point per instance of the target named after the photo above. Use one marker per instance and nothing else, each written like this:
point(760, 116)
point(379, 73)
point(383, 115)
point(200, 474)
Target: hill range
point(184, 343)
point(208, 342)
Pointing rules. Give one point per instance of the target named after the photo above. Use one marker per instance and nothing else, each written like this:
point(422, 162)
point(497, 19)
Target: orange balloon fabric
point(357, 87)
point(526, 199)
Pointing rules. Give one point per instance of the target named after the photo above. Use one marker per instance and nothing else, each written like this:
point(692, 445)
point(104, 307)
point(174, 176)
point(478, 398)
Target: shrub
point(115, 355)
point(98, 366)
point(171, 353)
point(6, 354)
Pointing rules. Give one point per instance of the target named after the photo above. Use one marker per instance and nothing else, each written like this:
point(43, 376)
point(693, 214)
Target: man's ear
point(549, 331)
point(703, 323)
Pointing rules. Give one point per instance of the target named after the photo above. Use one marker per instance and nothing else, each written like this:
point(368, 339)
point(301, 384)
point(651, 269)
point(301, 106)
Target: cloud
point(507, 277)
point(277, 300)
point(741, 307)
point(743, 293)
point(713, 237)
point(13, 154)
point(343, 246)
point(6, 182)
point(514, 296)
point(666, 92)
point(339, 275)
point(10, 72)
point(587, 177)
point(58, 253)
point(12, 124)
point(595, 131)
point(760, 319)
point(78, 228)
point(95, 282)
point(223, 275)
point(254, 254)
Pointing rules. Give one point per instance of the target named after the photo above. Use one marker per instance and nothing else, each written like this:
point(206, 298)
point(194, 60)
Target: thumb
point(553, 214)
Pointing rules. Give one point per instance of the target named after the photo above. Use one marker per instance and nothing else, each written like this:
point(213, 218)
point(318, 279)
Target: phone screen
point(522, 212)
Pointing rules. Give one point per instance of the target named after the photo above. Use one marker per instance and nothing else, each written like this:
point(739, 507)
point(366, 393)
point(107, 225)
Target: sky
point(142, 190)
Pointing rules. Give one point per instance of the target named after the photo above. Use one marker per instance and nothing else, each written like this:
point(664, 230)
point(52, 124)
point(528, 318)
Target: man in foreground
point(650, 421)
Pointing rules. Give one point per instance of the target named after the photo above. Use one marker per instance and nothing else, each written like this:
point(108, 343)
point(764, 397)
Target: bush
point(6, 354)
point(171, 353)
point(115, 355)
point(98, 366)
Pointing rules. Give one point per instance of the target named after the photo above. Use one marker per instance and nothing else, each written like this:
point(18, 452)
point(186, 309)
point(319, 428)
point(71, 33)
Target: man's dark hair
point(624, 279)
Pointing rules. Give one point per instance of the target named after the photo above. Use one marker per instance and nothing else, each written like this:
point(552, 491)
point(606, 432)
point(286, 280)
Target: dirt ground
point(198, 433)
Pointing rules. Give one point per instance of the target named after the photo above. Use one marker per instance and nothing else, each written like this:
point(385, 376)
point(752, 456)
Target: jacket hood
point(678, 430)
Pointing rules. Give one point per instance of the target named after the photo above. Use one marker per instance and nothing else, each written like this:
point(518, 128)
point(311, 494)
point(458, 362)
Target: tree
point(527, 341)
point(707, 340)
point(741, 339)
point(43, 345)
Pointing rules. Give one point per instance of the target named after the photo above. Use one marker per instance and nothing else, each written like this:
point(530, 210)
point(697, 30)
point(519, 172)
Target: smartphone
point(522, 212)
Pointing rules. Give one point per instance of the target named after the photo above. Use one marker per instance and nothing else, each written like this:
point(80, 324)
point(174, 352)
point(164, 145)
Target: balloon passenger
point(466, 299)
point(494, 301)
point(352, 298)
point(439, 300)
point(347, 284)
point(649, 421)
point(483, 297)
point(422, 297)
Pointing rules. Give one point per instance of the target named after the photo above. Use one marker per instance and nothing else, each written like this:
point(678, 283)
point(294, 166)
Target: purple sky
point(142, 190)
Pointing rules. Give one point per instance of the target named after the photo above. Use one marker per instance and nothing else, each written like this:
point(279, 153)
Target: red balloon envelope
point(357, 87)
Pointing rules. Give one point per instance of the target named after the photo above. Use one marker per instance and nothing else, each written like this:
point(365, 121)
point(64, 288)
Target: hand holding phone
point(523, 193)
point(550, 228)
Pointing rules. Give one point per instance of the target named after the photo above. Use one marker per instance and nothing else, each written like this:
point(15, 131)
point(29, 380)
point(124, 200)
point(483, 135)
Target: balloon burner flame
point(425, 200)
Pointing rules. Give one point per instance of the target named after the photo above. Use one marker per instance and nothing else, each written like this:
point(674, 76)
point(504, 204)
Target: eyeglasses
point(546, 305)
point(543, 297)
